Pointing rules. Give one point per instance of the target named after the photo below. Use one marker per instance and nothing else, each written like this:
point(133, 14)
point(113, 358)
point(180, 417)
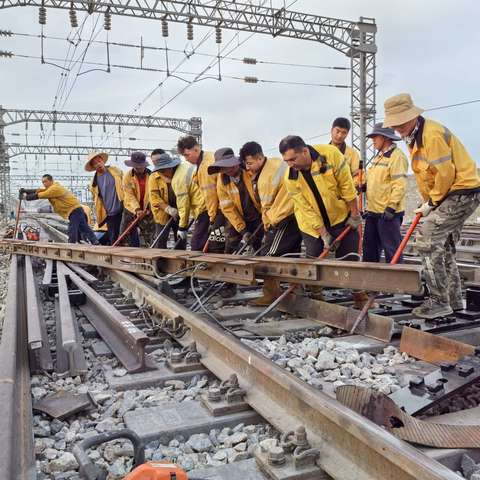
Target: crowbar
point(130, 227)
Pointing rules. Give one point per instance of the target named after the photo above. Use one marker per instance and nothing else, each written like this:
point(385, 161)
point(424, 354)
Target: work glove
point(388, 214)
point(424, 209)
point(31, 196)
point(328, 242)
point(172, 211)
point(182, 235)
point(361, 188)
point(246, 237)
point(354, 221)
point(21, 193)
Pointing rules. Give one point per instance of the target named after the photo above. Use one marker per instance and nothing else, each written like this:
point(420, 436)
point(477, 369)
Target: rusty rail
point(350, 446)
point(16, 423)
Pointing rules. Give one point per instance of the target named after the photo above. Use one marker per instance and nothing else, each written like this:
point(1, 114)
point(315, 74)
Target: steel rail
point(16, 423)
point(244, 270)
point(350, 445)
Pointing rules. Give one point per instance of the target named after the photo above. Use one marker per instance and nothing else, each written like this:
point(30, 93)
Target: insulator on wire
point(164, 28)
point(250, 61)
point(189, 31)
point(42, 15)
point(5, 54)
point(73, 17)
point(218, 35)
point(5, 33)
point(250, 79)
point(107, 21)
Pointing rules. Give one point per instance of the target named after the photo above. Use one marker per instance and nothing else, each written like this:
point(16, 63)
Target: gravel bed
point(320, 360)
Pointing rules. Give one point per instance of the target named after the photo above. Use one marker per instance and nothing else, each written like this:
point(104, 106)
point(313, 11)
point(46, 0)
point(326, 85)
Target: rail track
point(127, 335)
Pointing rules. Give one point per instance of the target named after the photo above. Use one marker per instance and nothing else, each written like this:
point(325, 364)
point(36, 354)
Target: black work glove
point(31, 196)
point(21, 192)
point(361, 188)
point(388, 214)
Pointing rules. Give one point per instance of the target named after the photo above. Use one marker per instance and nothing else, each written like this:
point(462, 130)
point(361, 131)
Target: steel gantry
point(356, 40)
point(9, 117)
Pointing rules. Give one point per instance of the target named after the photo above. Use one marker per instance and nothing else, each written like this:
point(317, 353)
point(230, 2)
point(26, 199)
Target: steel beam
point(231, 268)
point(350, 445)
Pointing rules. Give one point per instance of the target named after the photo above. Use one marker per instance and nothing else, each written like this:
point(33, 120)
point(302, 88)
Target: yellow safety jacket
point(63, 201)
point(335, 187)
point(190, 200)
point(276, 203)
point(88, 213)
point(441, 163)
point(353, 159)
point(387, 181)
point(158, 194)
point(208, 184)
point(131, 189)
point(230, 202)
point(100, 211)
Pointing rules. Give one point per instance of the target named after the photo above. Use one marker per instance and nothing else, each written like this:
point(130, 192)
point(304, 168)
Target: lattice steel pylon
point(356, 40)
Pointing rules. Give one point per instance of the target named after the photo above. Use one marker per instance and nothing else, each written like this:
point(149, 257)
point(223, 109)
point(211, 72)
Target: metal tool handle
point(90, 471)
point(17, 220)
point(338, 239)
point(164, 229)
point(132, 225)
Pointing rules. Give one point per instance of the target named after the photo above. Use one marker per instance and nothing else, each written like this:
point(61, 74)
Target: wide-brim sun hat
point(379, 129)
point(400, 109)
point(137, 159)
point(224, 158)
point(91, 156)
point(164, 161)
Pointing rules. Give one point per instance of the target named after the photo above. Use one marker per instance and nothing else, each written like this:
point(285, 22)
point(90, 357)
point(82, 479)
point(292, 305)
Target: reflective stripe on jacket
point(208, 184)
point(190, 202)
point(387, 181)
point(230, 202)
point(440, 162)
point(276, 203)
point(158, 195)
point(131, 189)
point(63, 201)
point(100, 211)
point(335, 187)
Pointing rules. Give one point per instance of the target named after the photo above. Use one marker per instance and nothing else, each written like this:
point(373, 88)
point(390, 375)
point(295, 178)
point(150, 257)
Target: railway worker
point(136, 200)
point(107, 193)
point(163, 201)
point(386, 187)
point(449, 184)
point(282, 235)
point(190, 202)
point(324, 197)
point(65, 204)
point(189, 147)
point(340, 129)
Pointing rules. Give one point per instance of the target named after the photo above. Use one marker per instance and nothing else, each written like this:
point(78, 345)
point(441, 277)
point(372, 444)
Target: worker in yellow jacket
point(324, 198)
point(163, 201)
point(189, 201)
point(448, 181)
point(282, 234)
point(65, 204)
point(386, 187)
point(136, 200)
point(189, 147)
point(107, 192)
point(340, 129)
point(237, 200)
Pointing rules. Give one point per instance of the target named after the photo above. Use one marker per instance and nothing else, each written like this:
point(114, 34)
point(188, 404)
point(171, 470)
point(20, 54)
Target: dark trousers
point(145, 225)
point(215, 246)
point(113, 226)
point(233, 238)
point(381, 235)
point(348, 245)
point(199, 234)
point(283, 238)
point(165, 232)
point(78, 227)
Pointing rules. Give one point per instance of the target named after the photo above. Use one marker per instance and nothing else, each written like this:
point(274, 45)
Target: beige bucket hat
point(399, 110)
point(91, 156)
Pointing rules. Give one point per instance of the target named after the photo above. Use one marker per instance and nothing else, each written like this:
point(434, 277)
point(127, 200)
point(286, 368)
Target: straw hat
point(91, 156)
point(399, 110)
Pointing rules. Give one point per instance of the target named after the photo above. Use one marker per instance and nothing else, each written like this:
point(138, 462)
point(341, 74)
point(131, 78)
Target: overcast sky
point(427, 48)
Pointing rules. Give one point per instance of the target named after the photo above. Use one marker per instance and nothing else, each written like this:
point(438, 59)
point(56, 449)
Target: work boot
point(360, 299)
point(431, 309)
point(316, 292)
point(228, 291)
point(271, 291)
